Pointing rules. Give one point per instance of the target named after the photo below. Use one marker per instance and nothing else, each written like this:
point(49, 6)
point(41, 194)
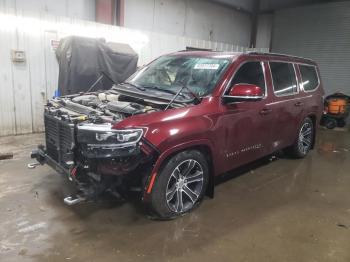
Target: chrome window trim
point(295, 75)
point(318, 78)
point(247, 97)
point(262, 63)
point(296, 78)
point(235, 72)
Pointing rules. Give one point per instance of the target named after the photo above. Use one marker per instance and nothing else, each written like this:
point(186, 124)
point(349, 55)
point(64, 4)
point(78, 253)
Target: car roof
point(257, 55)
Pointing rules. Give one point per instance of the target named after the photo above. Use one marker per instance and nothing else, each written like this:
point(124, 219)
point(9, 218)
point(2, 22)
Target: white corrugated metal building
point(316, 30)
point(155, 171)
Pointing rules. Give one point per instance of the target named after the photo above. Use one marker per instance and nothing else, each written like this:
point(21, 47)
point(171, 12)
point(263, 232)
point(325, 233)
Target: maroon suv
point(180, 121)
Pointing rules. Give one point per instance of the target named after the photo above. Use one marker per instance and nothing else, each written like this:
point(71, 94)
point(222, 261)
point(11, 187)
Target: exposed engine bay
point(98, 107)
point(82, 143)
point(91, 118)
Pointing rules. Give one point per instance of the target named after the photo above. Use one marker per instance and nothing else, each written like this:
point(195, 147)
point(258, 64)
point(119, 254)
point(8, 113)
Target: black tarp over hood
point(82, 59)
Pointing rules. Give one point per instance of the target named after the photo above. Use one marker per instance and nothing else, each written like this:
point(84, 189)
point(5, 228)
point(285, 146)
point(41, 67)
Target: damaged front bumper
point(42, 158)
point(101, 173)
point(95, 157)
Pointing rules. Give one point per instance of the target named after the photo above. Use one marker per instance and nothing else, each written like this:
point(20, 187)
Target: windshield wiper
point(195, 97)
point(158, 89)
point(176, 94)
point(161, 89)
point(141, 88)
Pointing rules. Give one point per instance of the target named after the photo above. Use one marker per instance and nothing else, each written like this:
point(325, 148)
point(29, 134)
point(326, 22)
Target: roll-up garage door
point(320, 32)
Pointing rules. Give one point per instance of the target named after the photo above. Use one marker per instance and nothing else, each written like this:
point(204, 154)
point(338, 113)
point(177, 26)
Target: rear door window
point(284, 79)
point(309, 77)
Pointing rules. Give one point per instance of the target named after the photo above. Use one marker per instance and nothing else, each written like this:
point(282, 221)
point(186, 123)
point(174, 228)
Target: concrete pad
point(284, 210)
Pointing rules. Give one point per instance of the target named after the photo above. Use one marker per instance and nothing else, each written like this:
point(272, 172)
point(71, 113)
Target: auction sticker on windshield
point(207, 66)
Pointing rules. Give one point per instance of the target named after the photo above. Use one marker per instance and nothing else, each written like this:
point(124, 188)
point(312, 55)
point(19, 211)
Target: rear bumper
point(43, 158)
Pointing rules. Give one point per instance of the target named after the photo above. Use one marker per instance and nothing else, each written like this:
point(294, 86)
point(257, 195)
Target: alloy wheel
point(305, 138)
point(184, 186)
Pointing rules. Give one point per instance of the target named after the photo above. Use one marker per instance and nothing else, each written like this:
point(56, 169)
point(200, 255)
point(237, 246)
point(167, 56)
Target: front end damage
point(82, 143)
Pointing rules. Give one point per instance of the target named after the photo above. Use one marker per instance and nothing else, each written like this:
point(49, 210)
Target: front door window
point(250, 73)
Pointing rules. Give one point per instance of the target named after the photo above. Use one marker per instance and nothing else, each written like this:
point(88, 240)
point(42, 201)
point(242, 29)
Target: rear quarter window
point(284, 79)
point(309, 77)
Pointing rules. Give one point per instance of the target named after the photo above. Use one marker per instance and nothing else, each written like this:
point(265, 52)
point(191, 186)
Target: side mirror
point(244, 92)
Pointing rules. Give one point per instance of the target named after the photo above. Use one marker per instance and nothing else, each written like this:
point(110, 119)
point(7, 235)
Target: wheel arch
point(203, 146)
point(313, 118)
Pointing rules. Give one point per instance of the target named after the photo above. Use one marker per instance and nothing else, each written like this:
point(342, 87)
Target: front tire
point(180, 185)
point(304, 141)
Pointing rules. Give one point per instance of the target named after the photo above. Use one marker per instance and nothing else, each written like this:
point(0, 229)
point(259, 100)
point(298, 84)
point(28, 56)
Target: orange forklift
point(336, 110)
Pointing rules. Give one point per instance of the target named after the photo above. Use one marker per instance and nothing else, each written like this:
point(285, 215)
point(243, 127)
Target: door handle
point(265, 111)
point(298, 103)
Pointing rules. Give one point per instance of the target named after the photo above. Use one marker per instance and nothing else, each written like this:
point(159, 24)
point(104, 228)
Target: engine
point(97, 107)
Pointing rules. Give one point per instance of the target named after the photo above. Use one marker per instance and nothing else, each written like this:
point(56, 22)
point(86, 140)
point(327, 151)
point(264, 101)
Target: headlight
point(93, 134)
point(120, 136)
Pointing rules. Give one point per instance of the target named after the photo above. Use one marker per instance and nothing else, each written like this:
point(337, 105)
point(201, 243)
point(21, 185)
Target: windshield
point(169, 73)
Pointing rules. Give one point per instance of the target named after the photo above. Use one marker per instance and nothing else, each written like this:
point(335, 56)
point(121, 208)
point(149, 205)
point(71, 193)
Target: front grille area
point(59, 140)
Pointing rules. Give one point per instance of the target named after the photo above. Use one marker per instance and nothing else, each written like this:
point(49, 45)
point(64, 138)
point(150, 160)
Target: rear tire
point(180, 186)
point(304, 141)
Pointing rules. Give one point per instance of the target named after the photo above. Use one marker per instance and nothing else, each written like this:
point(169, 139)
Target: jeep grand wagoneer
point(179, 121)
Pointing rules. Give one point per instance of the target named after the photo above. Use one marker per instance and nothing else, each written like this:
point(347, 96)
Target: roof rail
point(276, 54)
